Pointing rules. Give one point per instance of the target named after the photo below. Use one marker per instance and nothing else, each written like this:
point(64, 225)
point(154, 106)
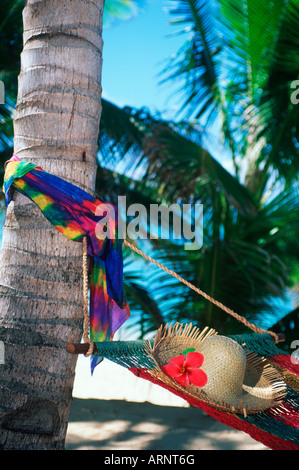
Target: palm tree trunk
point(56, 127)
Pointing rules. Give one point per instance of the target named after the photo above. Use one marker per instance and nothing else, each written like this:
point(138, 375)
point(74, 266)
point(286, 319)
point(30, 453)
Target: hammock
point(277, 428)
point(73, 212)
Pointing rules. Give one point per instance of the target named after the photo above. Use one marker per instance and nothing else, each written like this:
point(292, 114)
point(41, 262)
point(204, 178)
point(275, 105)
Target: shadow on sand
point(123, 425)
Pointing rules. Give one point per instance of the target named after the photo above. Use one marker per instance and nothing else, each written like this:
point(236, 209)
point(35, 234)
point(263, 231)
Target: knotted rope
point(203, 294)
point(86, 338)
point(85, 299)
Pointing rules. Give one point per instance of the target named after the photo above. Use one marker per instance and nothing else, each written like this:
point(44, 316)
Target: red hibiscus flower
point(185, 370)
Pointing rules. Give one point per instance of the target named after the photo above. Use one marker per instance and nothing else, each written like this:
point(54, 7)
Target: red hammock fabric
point(269, 427)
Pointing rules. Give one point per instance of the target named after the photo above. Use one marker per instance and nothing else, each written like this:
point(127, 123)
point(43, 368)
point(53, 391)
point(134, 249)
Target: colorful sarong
point(77, 214)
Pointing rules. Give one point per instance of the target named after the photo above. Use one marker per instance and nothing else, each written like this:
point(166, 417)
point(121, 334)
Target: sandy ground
point(114, 410)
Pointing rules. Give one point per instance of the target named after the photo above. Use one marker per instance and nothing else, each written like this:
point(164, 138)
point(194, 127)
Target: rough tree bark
point(56, 126)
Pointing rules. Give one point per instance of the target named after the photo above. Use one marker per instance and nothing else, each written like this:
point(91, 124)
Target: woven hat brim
point(263, 386)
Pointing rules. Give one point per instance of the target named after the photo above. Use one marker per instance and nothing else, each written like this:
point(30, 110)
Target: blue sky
point(133, 56)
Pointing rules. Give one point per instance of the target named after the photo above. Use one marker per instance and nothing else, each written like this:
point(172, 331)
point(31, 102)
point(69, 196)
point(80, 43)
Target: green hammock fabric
point(278, 430)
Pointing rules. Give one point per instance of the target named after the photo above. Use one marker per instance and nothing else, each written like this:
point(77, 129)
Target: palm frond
point(6, 121)
point(122, 131)
point(143, 305)
point(280, 116)
point(177, 165)
point(11, 29)
point(288, 325)
point(196, 64)
point(243, 23)
point(171, 154)
point(259, 84)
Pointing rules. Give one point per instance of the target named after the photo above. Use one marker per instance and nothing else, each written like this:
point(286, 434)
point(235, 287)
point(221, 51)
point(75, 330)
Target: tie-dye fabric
point(77, 214)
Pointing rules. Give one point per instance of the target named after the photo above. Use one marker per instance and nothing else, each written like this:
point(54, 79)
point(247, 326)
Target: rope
point(85, 299)
point(172, 273)
point(203, 294)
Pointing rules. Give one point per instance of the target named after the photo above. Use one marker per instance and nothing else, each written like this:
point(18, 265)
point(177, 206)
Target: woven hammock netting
point(277, 428)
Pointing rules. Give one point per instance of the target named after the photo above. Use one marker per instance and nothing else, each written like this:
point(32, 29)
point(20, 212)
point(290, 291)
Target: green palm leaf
point(172, 159)
point(239, 63)
point(196, 64)
point(262, 43)
point(177, 165)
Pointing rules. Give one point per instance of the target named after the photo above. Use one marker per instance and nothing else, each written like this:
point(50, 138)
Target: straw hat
point(214, 369)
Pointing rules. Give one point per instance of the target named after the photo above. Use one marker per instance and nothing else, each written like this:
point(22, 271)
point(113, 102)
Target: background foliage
point(235, 73)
